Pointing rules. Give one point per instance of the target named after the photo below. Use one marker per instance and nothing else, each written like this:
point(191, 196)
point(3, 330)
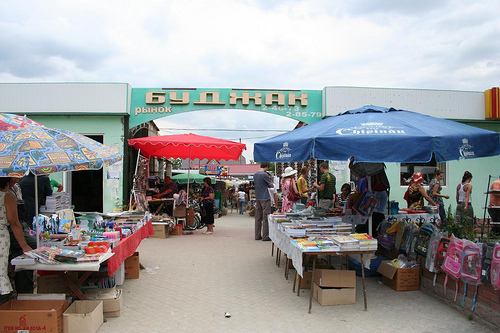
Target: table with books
point(72, 259)
point(302, 237)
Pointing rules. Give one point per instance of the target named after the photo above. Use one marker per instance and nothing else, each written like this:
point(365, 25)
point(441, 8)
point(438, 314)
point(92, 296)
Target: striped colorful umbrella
point(26, 145)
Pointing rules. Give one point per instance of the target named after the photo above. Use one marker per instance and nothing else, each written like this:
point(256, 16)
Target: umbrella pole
point(189, 170)
point(37, 223)
point(370, 225)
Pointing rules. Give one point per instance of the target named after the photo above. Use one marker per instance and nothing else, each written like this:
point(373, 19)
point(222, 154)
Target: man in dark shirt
point(167, 191)
point(27, 185)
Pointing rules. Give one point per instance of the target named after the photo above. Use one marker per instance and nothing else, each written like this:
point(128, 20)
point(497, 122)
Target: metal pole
point(36, 214)
point(485, 206)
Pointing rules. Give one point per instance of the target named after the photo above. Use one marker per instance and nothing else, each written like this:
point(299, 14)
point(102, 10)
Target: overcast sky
point(258, 44)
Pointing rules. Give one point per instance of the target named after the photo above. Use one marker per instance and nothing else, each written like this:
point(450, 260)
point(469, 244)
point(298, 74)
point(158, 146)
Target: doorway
point(87, 187)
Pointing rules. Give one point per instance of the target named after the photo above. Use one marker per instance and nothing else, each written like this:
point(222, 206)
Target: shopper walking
point(434, 193)
point(326, 187)
point(302, 185)
point(208, 202)
point(242, 198)
point(464, 211)
point(262, 202)
point(289, 189)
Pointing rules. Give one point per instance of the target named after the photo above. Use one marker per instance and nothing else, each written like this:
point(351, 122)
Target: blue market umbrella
point(379, 134)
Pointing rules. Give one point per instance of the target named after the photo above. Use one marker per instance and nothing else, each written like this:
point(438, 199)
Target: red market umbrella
point(188, 146)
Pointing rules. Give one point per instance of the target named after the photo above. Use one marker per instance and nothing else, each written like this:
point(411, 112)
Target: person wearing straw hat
point(289, 189)
point(416, 193)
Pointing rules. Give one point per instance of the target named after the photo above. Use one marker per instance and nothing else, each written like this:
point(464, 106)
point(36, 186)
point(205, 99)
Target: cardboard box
point(32, 315)
point(112, 300)
point(305, 282)
point(399, 279)
point(190, 216)
point(335, 278)
point(161, 230)
point(176, 231)
point(113, 307)
point(83, 316)
point(132, 266)
point(334, 296)
point(54, 284)
point(180, 211)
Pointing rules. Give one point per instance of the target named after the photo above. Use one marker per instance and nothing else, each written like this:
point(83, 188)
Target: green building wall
point(112, 129)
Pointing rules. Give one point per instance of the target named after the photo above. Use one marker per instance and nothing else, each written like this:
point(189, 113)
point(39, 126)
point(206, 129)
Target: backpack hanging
point(399, 233)
point(495, 267)
point(486, 259)
point(453, 262)
point(444, 243)
point(423, 239)
point(385, 239)
point(432, 249)
point(407, 238)
point(471, 268)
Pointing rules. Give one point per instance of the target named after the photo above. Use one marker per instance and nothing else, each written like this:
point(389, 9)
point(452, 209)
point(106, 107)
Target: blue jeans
point(242, 206)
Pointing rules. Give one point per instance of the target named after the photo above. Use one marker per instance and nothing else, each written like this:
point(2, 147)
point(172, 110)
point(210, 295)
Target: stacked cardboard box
point(334, 287)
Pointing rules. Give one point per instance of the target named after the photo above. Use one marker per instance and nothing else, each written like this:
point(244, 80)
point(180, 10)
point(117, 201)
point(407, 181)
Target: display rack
point(140, 184)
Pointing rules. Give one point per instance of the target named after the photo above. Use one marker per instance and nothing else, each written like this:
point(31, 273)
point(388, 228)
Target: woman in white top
point(8, 216)
point(242, 196)
point(464, 211)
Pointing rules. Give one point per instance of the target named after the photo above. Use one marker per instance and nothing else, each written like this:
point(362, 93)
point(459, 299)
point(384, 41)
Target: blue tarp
point(378, 134)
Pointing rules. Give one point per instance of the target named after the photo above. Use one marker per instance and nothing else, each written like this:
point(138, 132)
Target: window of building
point(407, 169)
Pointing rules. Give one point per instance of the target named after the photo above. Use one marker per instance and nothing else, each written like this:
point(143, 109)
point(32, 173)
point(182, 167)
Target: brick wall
point(487, 308)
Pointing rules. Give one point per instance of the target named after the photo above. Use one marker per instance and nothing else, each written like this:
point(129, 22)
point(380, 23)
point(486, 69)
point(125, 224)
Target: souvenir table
point(114, 258)
point(64, 268)
point(298, 255)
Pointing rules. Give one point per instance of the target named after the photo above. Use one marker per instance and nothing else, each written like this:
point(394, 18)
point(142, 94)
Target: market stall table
point(64, 268)
point(115, 259)
point(158, 204)
point(298, 255)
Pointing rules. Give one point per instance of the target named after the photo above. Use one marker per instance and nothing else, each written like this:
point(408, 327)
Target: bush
point(461, 229)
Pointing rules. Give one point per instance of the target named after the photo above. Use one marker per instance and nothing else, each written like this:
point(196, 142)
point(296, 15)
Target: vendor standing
point(326, 187)
point(167, 192)
point(27, 185)
point(207, 197)
point(494, 208)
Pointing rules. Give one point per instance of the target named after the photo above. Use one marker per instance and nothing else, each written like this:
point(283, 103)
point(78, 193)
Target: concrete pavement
point(191, 281)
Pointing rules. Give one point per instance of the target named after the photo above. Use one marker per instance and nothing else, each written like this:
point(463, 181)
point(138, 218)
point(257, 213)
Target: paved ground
point(191, 281)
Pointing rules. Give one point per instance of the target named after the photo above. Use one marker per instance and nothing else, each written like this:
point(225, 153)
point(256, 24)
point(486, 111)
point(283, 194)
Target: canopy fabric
point(195, 178)
point(26, 145)
point(379, 134)
point(188, 146)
